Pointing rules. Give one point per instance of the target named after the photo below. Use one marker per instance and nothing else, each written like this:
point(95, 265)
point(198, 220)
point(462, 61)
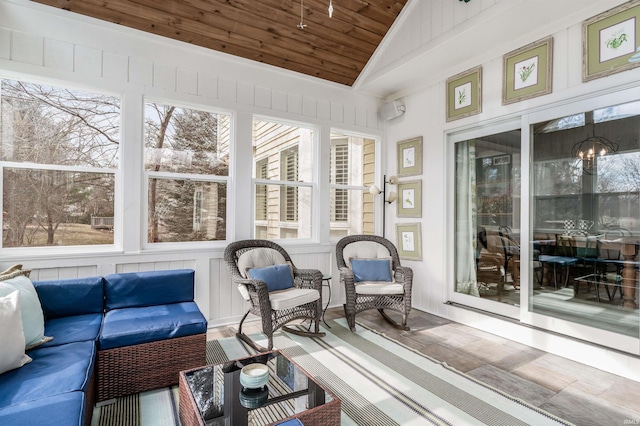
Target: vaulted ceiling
point(267, 31)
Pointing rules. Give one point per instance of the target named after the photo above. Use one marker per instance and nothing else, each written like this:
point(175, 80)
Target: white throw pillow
point(32, 316)
point(12, 348)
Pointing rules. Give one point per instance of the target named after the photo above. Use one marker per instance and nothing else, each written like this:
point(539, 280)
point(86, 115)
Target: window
point(283, 164)
point(352, 172)
point(261, 190)
point(187, 165)
point(339, 170)
point(289, 194)
point(59, 157)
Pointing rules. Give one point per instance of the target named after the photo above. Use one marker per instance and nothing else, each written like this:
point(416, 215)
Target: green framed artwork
point(464, 94)
point(527, 72)
point(409, 241)
point(409, 202)
point(410, 157)
point(611, 41)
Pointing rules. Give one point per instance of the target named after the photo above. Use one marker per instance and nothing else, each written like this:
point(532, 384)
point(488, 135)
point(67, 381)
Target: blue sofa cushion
point(53, 371)
point(78, 328)
point(132, 326)
point(66, 409)
point(150, 288)
point(68, 297)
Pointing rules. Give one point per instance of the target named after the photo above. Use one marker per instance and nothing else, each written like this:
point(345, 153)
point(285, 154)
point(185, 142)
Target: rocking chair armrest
point(346, 276)
point(403, 274)
point(258, 292)
point(308, 278)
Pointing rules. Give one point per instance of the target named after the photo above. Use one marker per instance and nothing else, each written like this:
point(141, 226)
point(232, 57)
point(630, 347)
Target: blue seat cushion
point(66, 409)
point(78, 328)
point(69, 297)
point(133, 326)
point(134, 289)
point(53, 371)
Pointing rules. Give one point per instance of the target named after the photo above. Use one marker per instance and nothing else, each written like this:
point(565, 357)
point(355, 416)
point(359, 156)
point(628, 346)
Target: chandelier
point(589, 149)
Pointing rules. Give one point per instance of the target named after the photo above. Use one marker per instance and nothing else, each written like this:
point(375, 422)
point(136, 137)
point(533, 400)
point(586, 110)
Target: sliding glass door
point(487, 220)
point(546, 220)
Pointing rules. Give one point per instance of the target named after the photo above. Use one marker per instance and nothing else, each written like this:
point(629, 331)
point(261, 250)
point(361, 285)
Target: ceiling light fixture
point(330, 8)
point(301, 25)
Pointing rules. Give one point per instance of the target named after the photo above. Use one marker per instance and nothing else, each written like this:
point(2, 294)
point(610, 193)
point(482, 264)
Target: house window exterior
point(283, 182)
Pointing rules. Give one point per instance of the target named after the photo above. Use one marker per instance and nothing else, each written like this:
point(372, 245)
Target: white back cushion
point(12, 348)
point(364, 250)
point(260, 257)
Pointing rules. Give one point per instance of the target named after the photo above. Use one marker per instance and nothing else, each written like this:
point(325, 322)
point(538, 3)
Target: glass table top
point(222, 400)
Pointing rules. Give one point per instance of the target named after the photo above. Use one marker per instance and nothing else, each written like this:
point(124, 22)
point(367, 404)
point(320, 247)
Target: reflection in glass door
point(585, 215)
point(487, 211)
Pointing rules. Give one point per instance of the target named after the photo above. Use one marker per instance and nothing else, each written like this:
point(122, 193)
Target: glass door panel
point(585, 215)
point(487, 213)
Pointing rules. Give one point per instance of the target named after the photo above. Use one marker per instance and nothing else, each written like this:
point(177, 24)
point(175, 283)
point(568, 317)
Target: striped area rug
point(378, 380)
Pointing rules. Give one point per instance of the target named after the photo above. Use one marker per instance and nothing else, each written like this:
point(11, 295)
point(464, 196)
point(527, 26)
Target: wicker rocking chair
point(278, 307)
point(361, 295)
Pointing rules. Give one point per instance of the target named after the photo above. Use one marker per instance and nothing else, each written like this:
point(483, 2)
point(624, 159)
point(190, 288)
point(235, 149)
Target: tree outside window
point(186, 164)
point(59, 155)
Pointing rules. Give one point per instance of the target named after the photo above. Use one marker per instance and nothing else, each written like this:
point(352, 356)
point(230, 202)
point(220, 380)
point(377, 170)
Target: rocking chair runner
point(278, 307)
point(394, 294)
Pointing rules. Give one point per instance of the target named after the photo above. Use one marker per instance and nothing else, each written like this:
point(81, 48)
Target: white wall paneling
point(53, 46)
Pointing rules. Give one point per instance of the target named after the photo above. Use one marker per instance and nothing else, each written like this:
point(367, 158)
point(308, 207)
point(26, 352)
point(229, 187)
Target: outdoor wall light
point(387, 197)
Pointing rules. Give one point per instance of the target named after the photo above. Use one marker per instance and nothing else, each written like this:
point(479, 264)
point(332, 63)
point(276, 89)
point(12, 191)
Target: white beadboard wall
point(53, 46)
point(425, 116)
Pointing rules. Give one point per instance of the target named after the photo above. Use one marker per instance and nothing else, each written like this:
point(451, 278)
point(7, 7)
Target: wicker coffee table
point(213, 395)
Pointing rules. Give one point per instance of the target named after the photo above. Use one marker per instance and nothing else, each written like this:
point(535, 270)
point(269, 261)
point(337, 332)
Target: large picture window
point(187, 167)
point(283, 179)
point(59, 153)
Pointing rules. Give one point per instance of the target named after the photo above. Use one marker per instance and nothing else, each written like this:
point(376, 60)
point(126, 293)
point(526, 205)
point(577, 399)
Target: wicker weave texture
point(187, 407)
point(361, 302)
point(259, 294)
point(138, 368)
point(90, 396)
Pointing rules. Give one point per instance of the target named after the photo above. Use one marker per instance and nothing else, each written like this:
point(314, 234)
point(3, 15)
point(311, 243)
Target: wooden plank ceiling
point(334, 49)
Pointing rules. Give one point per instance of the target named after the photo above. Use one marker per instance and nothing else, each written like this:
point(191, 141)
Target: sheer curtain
point(466, 219)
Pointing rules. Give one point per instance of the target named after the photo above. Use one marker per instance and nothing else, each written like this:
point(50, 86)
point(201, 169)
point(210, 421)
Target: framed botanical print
point(611, 41)
point(410, 157)
point(527, 72)
point(409, 241)
point(409, 203)
point(464, 94)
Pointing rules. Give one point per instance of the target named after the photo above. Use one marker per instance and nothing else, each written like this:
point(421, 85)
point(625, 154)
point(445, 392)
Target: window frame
point(147, 175)
point(117, 171)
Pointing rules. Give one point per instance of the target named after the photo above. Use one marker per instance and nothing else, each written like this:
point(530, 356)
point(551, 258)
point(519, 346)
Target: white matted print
point(526, 73)
point(409, 241)
point(617, 40)
point(463, 96)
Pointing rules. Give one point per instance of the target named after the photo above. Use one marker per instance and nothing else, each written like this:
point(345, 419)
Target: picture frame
point(464, 94)
point(409, 203)
point(527, 72)
point(611, 41)
point(501, 160)
point(409, 241)
point(410, 157)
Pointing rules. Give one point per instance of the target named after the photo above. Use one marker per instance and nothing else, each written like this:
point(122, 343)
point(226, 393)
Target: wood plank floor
point(576, 392)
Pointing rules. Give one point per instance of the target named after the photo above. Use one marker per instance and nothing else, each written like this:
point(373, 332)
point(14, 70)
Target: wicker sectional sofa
point(112, 336)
